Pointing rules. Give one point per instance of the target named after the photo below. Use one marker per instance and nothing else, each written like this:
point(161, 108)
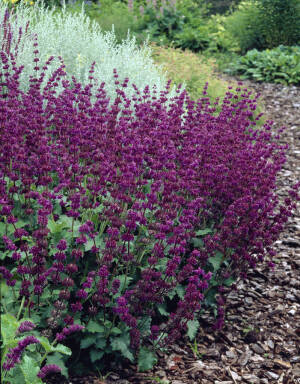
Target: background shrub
point(161, 21)
point(244, 26)
point(220, 6)
point(192, 70)
point(111, 15)
point(264, 24)
point(279, 65)
point(279, 22)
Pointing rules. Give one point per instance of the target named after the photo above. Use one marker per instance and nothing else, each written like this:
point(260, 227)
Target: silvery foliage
point(80, 42)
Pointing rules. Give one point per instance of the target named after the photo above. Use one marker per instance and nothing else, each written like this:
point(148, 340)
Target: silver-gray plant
point(80, 42)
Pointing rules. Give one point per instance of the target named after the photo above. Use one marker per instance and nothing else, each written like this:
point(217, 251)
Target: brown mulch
point(260, 342)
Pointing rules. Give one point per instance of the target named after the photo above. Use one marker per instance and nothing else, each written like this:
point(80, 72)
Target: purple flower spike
point(26, 326)
point(68, 330)
point(14, 355)
point(48, 369)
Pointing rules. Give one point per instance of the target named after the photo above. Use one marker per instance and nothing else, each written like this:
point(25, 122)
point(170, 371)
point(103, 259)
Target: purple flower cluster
point(14, 355)
point(133, 180)
point(26, 326)
point(68, 331)
point(48, 369)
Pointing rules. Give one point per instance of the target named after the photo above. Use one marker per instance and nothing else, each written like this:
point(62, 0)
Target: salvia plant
point(121, 221)
point(79, 42)
point(19, 335)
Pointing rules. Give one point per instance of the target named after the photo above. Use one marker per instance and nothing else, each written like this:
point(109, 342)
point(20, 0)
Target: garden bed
point(260, 341)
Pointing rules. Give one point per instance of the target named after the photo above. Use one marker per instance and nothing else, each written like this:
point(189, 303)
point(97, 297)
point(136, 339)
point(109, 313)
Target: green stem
point(21, 307)
point(46, 353)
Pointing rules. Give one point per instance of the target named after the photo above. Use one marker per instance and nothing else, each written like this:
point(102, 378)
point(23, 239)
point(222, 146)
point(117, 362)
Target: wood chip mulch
point(261, 340)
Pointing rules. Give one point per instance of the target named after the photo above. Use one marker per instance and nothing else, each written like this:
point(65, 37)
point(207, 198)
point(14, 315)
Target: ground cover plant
point(278, 65)
point(122, 219)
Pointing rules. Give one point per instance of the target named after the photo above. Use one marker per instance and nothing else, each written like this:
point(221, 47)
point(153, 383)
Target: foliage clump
point(192, 70)
point(278, 65)
point(262, 24)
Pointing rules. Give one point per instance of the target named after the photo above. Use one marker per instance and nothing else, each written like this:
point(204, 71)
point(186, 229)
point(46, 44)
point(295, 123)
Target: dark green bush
point(194, 39)
point(279, 22)
point(262, 24)
point(161, 23)
point(279, 65)
point(243, 26)
point(220, 6)
point(111, 15)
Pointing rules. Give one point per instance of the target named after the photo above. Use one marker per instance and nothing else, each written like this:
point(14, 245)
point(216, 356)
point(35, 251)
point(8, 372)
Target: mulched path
point(261, 340)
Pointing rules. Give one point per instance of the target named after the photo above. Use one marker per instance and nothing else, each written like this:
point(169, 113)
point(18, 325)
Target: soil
point(260, 342)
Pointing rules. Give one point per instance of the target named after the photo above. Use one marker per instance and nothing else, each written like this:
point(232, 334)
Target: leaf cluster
point(278, 65)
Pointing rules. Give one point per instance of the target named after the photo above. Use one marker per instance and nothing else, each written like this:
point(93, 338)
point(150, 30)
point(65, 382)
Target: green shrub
point(221, 40)
point(192, 70)
point(261, 24)
point(279, 65)
point(110, 15)
point(194, 39)
point(243, 26)
point(279, 22)
point(220, 6)
point(161, 23)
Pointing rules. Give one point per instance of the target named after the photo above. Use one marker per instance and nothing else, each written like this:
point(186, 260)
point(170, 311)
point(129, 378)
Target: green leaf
point(180, 290)
point(9, 326)
point(96, 355)
point(88, 245)
point(210, 297)
point(144, 325)
point(56, 226)
point(94, 327)
point(228, 282)
point(203, 232)
point(30, 369)
point(62, 349)
point(193, 326)
point(20, 224)
point(124, 282)
point(122, 344)
point(146, 359)
point(101, 341)
point(116, 331)
point(57, 359)
point(162, 309)
point(45, 343)
point(198, 243)
point(2, 228)
point(3, 255)
point(87, 341)
point(216, 260)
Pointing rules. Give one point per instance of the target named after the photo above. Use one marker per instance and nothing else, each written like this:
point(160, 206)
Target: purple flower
point(26, 326)
point(14, 355)
point(48, 369)
point(62, 245)
point(68, 331)
point(154, 332)
point(82, 294)
point(115, 286)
